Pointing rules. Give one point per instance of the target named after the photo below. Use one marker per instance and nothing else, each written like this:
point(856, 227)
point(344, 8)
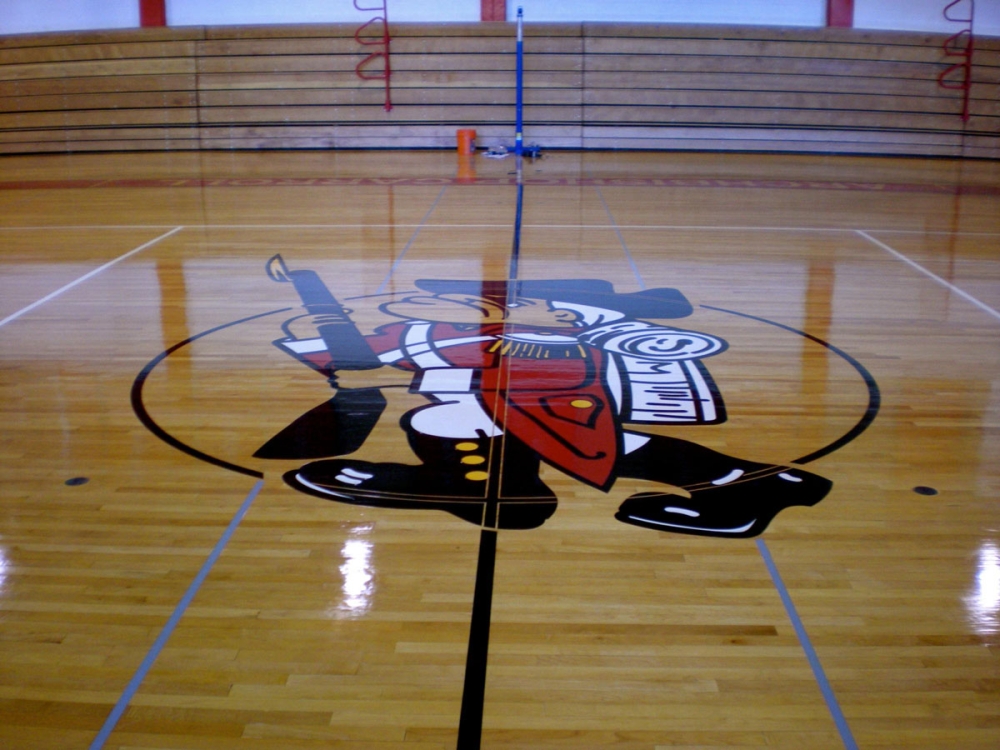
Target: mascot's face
point(472, 310)
point(537, 312)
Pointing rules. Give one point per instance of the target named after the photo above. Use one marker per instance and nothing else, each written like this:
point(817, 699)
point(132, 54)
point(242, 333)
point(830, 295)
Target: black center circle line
point(874, 394)
point(139, 407)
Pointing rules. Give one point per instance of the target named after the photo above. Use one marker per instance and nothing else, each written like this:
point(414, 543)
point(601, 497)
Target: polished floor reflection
point(710, 461)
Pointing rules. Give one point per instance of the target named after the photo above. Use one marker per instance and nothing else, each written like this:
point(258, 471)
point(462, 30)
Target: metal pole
point(519, 107)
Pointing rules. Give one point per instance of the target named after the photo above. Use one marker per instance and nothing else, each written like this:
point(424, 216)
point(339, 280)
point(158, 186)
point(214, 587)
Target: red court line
point(670, 182)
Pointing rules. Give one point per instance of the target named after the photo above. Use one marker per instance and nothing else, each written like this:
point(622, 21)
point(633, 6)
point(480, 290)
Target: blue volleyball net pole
point(519, 86)
point(518, 146)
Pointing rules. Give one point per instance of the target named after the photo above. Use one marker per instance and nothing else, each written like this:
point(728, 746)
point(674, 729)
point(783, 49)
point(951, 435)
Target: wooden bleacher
point(591, 86)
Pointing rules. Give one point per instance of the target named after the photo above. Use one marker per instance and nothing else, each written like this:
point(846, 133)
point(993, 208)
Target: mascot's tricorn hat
point(661, 302)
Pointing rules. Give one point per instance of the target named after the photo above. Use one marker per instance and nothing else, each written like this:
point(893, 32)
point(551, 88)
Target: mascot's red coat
point(550, 398)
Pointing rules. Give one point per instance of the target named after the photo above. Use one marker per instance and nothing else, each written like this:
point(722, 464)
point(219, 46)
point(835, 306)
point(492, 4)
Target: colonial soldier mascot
point(515, 373)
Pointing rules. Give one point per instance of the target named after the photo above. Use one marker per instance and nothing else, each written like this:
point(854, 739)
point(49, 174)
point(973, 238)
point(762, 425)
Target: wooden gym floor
point(161, 587)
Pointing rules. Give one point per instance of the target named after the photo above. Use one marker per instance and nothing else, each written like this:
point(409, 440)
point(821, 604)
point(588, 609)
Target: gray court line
point(800, 630)
point(154, 651)
point(85, 277)
point(824, 685)
point(930, 274)
point(133, 686)
point(621, 239)
point(413, 238)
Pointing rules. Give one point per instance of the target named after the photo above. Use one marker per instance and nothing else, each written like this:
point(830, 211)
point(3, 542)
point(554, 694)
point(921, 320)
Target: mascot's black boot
point(729, 497)
point(459, 476)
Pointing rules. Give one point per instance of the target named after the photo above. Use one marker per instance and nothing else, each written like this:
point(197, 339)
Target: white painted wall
point(925, 15)
point(750, 12)
point(29, 16)
point(226, 12)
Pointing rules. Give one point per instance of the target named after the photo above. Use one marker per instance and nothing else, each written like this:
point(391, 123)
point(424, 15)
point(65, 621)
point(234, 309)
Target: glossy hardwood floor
point(847, 289)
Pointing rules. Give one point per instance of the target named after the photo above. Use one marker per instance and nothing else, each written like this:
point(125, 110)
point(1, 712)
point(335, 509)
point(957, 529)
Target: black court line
point(515, 252)
point(470, 723)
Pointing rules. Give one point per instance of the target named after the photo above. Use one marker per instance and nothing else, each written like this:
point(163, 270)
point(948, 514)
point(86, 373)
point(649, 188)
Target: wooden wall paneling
point(93, 68)
point(740, 81)
point(447, 117)
point(177, 133)
point(778, 102)
point(62, 39)
point(93, 85)
point(100, 101)
point(100, 117)
point(887, 85)
point(867, 141)
point(436, 45)
point(437, 78)
point(587, 85)
point(779, 118)
point(485, 30)
point(97, 140)
point(457, 98)
point(97, 51)
point(755, 33)
point(294, 47)
point(737, 140)
point(763, 49)
point(77, 85)
point(725, 67)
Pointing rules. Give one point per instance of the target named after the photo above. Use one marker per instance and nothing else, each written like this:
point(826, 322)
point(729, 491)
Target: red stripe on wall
point(493, 10)
point(152, 12)
point(840, 13)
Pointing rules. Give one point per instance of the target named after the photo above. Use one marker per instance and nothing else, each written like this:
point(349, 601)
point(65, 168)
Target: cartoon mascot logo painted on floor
point(516, 373)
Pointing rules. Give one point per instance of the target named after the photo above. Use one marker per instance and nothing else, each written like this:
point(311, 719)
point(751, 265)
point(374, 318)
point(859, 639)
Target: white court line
point(706, 227)
point(613, 227)
point(935, 232)
point(913, 264)
point(464, 225)
point(410, 225)
point(58, 227)
point(85, 277)
point(460, 225)
point(800, 229)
